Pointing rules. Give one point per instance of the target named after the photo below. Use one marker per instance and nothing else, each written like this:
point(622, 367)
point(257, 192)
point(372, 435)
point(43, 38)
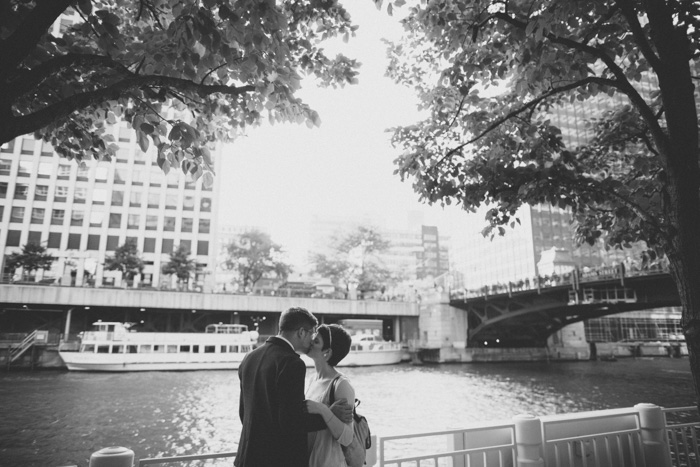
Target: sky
point(278, 177)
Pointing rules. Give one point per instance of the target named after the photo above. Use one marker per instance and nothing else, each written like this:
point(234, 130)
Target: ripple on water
point(59, 418)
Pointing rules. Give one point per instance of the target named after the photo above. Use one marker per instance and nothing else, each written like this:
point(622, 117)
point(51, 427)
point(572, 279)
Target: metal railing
point(641, 436)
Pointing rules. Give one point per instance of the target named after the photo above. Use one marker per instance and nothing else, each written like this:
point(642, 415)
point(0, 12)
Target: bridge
point(527, 313)
point(60, 307)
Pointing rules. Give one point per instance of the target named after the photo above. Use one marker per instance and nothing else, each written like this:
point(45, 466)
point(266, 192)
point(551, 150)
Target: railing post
point(115, 456)
point(654, 438)
point(528, 441)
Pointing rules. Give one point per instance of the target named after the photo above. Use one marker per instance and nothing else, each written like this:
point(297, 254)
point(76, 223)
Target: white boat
point(368, 350)
point(112, 346)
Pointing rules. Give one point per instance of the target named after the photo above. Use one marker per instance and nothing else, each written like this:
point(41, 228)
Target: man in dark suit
point(272, 409)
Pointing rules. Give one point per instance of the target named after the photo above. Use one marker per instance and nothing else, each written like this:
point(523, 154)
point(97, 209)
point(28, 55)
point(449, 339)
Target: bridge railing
point(574, 279)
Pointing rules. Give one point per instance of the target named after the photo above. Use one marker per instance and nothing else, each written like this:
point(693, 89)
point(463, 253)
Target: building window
point(117, 198)
point(101, 173)
point(13, 237)
point(54, 240)
point(80, 195)
point(8, 147)
point(115, 220)
point(3, 189)
point(112, 242)
point(136, 178)
point(41, 193)
point(5, 166)
point(76, 217)
point(167, 246)
point(119, 176)
point(125, 135)
point(186, 225)
point(186, 244)
point(46, 149)
point(202, 248)
point(28, 145)
point(188, 203)
point(153, 200)
point(44, 170)
point(204, 225)
point(58, 216)
point(93, 242)
point(34, 237)
point(205, 205)
point(149, 245)
point(151, 222)
point(132, 221)
point(73, 241)
point(169, 224)
point(25, 169)
point(96, 218)
point(99, 196)
point(63, 171)
point(38, 215)
point(21, 191)
point(61, 193)
point(135, 199)
point(83, 173)
point(17, 214)
point(170, 201)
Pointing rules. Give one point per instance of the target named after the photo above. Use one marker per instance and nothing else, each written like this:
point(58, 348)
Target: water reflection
point(51, 419)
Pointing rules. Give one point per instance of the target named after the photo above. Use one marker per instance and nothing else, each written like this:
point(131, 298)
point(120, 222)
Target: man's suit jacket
point(272, 410)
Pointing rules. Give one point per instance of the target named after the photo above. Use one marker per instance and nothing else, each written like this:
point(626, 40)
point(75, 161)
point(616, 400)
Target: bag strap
point(331, 397)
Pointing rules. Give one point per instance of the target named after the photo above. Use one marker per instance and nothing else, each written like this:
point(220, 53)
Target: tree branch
point(28, 123)
point(631, 17)
point(29, 79)
point(15, 48)
point(533, 103)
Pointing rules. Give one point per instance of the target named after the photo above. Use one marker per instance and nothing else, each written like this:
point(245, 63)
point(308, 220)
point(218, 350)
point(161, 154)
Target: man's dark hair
point(295, 318)
point(340, 343)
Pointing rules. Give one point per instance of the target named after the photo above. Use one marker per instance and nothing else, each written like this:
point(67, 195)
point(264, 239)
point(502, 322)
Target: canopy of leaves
point(354, 259)
point(501, 80)
point(253, 255)
point(32, 258)
point(126, 259)
point(228, 63)
point(180, 264)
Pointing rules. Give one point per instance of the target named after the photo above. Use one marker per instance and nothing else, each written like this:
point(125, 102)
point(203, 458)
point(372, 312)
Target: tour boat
point(368, 350)
point(112, 346)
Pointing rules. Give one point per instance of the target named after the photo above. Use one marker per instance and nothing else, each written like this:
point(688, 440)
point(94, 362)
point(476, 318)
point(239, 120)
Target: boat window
point(88, 348)
point(157, 348)
point(209, 349)
point(195, 349)
point(110, 328)
point(131, 349)
point(355, 347)
point(172, 349)
point(103, 349)
point(224, 348)
point(117, 349)
point(245, 348)
point(145, 348)
point(233, 348)
point(185, 349)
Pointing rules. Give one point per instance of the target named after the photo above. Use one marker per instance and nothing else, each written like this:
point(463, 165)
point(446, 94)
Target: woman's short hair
point(340, 342)
point(295, 318)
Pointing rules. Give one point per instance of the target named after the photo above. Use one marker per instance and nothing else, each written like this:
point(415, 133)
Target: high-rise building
point(82, 212)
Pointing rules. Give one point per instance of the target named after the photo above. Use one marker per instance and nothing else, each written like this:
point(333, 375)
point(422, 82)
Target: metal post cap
point(114, 456)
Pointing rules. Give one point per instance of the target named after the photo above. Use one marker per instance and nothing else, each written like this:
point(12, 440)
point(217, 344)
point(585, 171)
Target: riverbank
point(47, 356)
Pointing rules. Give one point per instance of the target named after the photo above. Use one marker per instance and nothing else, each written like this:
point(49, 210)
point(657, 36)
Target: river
point(58, 418)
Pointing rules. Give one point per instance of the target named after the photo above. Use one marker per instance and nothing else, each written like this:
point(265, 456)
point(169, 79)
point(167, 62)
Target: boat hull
point(365, 358)
point(78, 361)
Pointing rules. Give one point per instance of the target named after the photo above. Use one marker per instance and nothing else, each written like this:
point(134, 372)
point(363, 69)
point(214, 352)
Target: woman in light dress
point(329, 347)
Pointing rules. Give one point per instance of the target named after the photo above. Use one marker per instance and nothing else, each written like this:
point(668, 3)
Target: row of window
point(99, 196)
point(167, 245)
point(133, 221)
point(163, 348)
point(121, 175)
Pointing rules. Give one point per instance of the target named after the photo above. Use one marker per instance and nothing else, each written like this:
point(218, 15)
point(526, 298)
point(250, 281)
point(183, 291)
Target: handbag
point(356, 452)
